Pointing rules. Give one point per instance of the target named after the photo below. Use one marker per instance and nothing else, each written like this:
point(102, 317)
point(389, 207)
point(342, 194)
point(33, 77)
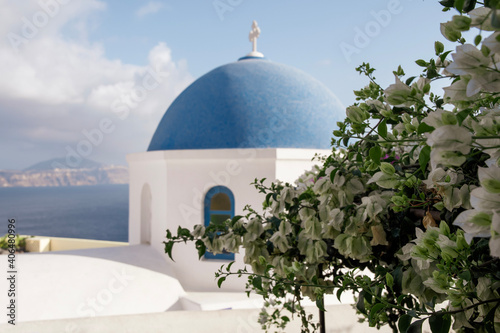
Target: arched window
point(219, 206)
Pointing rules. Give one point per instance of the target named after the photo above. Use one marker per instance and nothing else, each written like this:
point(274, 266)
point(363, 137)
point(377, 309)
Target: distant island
point(55, 172)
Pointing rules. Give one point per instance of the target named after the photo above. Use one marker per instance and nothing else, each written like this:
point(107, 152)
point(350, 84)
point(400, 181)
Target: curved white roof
point(77, 284)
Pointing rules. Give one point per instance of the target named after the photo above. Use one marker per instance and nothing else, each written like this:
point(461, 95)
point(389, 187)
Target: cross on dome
point(252, 36)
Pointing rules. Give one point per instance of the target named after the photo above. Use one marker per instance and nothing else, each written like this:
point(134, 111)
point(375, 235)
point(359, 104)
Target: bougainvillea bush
point(405, 212)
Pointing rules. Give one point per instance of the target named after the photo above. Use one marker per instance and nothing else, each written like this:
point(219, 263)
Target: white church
point(252, 118)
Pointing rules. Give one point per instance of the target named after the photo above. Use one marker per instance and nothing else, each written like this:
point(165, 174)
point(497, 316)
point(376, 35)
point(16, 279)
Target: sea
point(92, 212)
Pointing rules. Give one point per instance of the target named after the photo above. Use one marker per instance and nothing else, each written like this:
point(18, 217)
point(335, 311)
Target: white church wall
point(191, 174)
point(291, 163)
point(147, 171)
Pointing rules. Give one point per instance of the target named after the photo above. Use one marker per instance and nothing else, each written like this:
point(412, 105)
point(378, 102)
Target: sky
point(92, 78)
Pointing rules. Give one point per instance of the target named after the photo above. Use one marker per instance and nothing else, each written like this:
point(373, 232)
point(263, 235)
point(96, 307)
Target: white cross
point(254, 34)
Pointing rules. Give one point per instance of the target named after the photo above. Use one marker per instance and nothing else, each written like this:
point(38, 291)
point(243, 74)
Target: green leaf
point(375, 154)
point(268, 197)
point(382, 128)
point(477, 40)
point(360, 305)
point(447, 3)
point(438, 47)
point(444, 55)
point(389, 279)
point(410, 80)
point(440, 323)
point(183, 232)
point(421, 63)
point(465, 275)
point(168, 249)
point(332, 174)
point(462, 115)
point(375, 310)
point(404, 322)
point(459, 5)
point(220, 280)
point(320, 303)
point(228, 268)
point(424, 157)
point(200, 246)
point(257, 282)
point(398, 278)
point(339, 293)
point(424, 128)
point(416, 326)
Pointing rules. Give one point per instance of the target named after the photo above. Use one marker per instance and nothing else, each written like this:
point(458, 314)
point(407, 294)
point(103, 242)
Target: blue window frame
point(219, 206)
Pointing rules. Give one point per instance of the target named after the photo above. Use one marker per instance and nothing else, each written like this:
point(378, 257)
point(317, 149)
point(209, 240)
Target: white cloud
point(150, 8)
point(54, 90)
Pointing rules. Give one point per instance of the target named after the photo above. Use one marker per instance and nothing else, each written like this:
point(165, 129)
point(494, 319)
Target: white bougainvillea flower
point(312, 228)
point(439, 177)
point(231, 242)
point(398, 93)
point(481, 18)
point(446, 158)
point(489, 178)
point(354, 186)
point(315, 250)
point(447, 246)
point(450, 138)
point(307, 178)
point(484, 200)
point(443, 64)
point(492, 43)
point(198, 231)
point(495, 235)
point(439, 118)
point(279, 238)
point(465, 195)
point(457, 91)
point(406, 251)
point(356, 114)
point(489, 126)
point(468, 60)
point(322, 185)
point(475, 223)
point(451, 198)
point(254, 229)
point(384, 109)
point(439, 282)
point(489, 82)
point(337, 218)
point(421, 82)
point(286, 195)
point(277, 207)
point(494, 153)
point(372, 206)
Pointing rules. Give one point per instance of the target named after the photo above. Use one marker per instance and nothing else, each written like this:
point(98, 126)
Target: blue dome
point(251, 103)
